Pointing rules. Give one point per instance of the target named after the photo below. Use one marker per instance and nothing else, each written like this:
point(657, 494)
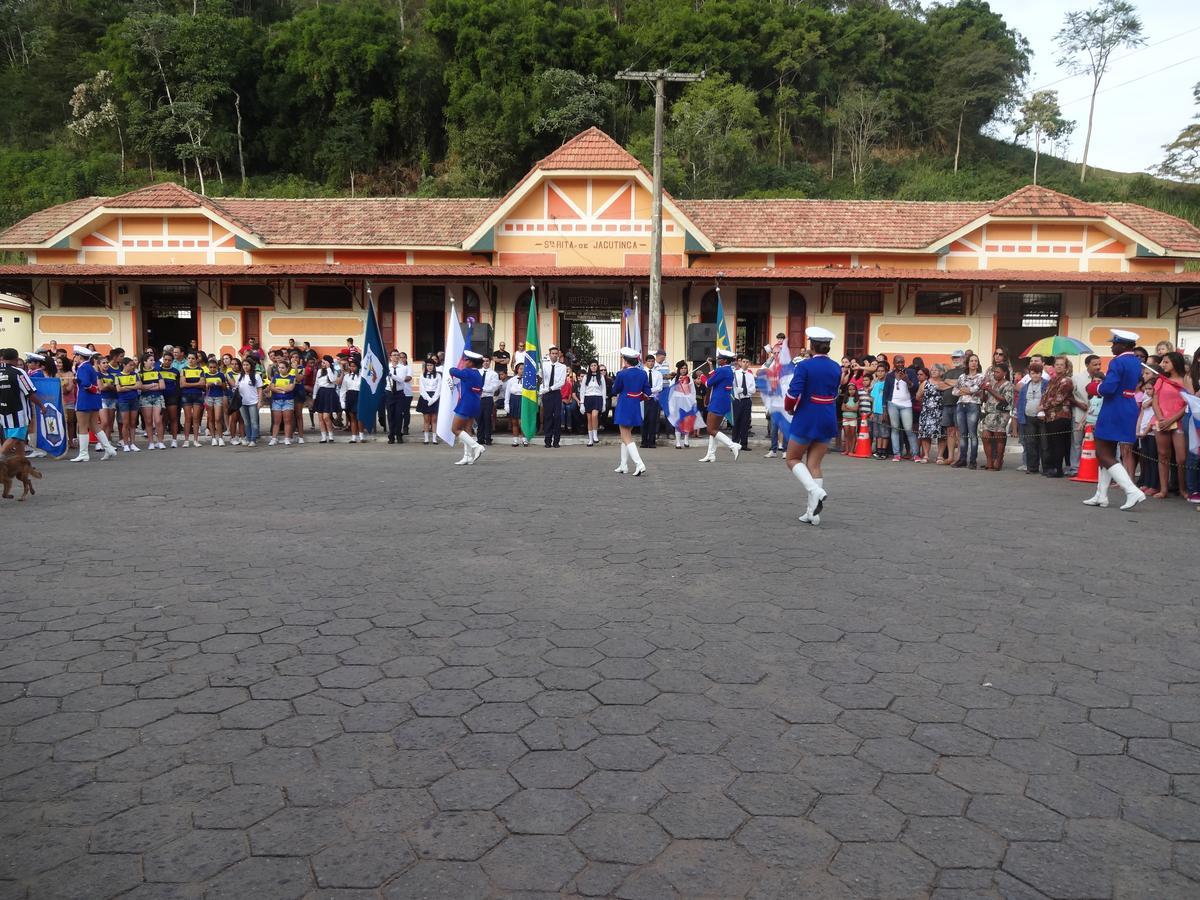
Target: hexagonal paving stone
point(456, 835)
point(771, 794)
point(631, 753)
point(387, 809)
point(698, 816)
point(551, 769)
point(883, 870)
point(439, 881)
point(1016, 818)
point(1058, 870)
point(953, 843)
point(853, 817)
point(922, 795)
point(620, 838)
point(784, 841)
point(542, 811)
point(367, 862)
point(262, 877)
point(532, 863)
point(195, 856)
point(296, 831)
point(503, 717)
point(695, 869)
point(487, 751)
point(624, 719)
point(633, 792)
point(693, 772)
point(472, 789)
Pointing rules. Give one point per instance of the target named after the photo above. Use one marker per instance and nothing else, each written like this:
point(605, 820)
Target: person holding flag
point(679, 405)
point(466, 410)
point(372, 370)
point(630, 388)
point(720, 402)
point(811, 398)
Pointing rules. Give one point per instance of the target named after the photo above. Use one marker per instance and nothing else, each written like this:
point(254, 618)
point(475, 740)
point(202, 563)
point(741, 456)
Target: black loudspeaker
point(481, 339)
point(701, 341)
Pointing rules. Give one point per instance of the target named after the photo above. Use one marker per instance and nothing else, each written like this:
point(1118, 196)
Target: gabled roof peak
point(1035, 200)
point(165, 194)
point(590, 149)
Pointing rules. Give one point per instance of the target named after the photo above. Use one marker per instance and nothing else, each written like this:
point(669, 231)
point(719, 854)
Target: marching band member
point(629, 387)
point(88, 405)
point(1117, 422)
point(466, 411)
point(720, 401)
point(811, 398)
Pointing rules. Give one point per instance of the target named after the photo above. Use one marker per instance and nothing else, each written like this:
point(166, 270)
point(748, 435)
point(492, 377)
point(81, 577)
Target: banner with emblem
point(370, 392)
point(773, 380)
point(48, 408)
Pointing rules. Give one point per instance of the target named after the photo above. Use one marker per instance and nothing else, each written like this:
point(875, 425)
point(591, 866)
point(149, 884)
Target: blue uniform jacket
point(720, 390)
point(86, 377)
point(471, 382)
point(815, 385)
point(1118, 416)
point(630, 387)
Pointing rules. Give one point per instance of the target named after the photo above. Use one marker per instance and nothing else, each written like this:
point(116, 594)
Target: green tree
point(714, 128)
point(1183, 154)
point(583, 342)
point(1086, 42)
point(1042, 119)
point(568, 102)
point(863, 120)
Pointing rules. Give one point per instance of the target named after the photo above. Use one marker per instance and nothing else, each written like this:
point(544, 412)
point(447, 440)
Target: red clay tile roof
point(591, 149)
point(1034, 200)
point(35, 228)
point(522, 273)
point(368, 222)
point(857, 224)
point(165, 195)
point(1169, 231)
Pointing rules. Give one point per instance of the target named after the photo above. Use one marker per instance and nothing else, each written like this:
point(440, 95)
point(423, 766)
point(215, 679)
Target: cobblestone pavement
point(351, 672)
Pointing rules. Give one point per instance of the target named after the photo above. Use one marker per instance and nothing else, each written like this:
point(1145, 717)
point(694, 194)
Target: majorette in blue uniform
point(811, 398)
point(1117, 422)
point(88, 404)
point(720, 401)
point(466, 411)
point(630, 387)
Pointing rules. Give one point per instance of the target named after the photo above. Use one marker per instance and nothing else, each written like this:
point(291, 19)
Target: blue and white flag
point(455, 346)
point(679, 406)
point(772, 382)
point(51, 424)
point(633, 327)
point(370, 393)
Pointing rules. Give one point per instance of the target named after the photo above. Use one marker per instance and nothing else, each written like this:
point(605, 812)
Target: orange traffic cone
point(1089, 469)
point(862, 447)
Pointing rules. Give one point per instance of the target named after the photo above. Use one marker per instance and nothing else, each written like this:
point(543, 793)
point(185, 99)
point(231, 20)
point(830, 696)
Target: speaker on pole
point(701, 341)
point(481, 338)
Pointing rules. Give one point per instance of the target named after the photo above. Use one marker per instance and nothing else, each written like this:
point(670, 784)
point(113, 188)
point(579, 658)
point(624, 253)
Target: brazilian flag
point(529, 375)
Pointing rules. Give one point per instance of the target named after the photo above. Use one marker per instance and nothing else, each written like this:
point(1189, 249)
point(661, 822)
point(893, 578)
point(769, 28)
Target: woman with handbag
point(997, 409)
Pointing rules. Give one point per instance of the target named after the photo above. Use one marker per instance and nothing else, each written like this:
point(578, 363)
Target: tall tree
point(864, 118)
point(714, 128)
point(1183, 154)
point(1042, 119)
point(1086, 43)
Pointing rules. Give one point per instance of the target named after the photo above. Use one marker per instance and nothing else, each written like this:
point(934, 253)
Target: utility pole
point(659, 79)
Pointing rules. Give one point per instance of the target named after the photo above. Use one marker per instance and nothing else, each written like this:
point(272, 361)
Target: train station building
point(163, 264)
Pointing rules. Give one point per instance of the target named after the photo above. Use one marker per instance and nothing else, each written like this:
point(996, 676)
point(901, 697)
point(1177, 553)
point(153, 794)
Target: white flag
point(455, 345)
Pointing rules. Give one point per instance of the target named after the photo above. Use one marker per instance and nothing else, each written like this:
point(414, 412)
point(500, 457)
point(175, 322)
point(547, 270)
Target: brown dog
point(20, 468)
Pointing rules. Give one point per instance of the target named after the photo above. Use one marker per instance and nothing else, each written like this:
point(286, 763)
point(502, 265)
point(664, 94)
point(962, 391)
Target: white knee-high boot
point(725, 440)
point(1100, 498)
point(1133, 495)
point(638, 466)
point(623, 468)
point(712, 450)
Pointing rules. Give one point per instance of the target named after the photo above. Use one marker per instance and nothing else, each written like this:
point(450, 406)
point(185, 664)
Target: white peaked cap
point(80, 350)
point(471, 354)
point(1130, 337)
point(816, 333)
point(630, 353)
point(726, 354)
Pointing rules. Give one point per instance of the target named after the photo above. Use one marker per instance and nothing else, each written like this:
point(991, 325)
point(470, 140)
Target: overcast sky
point(1133, 120)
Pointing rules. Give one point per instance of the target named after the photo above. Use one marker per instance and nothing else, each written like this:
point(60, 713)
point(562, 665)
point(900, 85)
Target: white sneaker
point(196, 443)
point(770, 454)
point(299, 440)
point(124, 448)
point(515, 442)
point(273, 442)
point(524, 442)
point(220, 442)
point(233, 442)
point(213, 442)
point(150, 446)
point(162, 446)
point(174, 445)
point(287, 442)
point(135, 448)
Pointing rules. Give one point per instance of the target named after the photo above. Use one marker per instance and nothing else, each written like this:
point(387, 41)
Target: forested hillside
point(459, 97)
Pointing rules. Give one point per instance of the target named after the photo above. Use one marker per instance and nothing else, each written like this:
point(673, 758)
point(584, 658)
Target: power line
point(1132, 80)
point(1178, 34)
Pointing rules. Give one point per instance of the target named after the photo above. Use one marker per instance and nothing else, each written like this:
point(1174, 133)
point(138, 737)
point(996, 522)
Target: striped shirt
point(15, 391)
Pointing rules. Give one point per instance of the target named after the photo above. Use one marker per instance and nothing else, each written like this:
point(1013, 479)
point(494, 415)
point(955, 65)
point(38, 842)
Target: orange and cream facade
point(165, 265)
